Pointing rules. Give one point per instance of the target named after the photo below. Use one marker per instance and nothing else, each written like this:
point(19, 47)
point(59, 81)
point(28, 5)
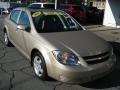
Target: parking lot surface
point(17, 74)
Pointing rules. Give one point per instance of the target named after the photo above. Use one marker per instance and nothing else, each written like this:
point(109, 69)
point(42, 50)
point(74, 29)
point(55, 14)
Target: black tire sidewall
point(43, 65)
point(8, 42)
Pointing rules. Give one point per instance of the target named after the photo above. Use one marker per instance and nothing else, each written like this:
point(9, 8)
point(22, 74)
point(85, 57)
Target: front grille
point(97, 58)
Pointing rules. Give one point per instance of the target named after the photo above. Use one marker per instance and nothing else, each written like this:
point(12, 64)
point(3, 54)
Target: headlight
point(66, 58)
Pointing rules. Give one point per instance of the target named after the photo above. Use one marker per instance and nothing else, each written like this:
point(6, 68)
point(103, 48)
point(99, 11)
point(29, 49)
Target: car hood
point(84, 43)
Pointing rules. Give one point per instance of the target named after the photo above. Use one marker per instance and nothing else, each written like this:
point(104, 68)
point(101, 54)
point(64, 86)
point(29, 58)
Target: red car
point(77, 11)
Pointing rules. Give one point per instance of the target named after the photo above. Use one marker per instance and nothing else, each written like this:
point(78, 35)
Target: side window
point(71, 22)
point(14, 15)
point(24, 20)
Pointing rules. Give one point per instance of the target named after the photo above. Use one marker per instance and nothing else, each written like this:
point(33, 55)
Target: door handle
point(17, 29)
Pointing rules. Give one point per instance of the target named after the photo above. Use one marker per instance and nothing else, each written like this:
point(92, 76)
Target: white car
point(5, 11)
point(42, 5)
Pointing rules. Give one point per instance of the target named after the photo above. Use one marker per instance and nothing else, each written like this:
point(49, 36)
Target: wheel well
point(32, 53)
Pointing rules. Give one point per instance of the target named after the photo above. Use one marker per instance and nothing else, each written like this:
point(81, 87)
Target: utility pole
point(55, 4)
point(9, 3)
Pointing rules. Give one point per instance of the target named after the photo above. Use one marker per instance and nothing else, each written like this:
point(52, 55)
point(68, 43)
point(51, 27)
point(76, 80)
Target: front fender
point(46, 55)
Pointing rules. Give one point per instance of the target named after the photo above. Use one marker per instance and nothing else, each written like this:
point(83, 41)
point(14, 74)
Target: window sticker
point(36, 14)
point(52, 13)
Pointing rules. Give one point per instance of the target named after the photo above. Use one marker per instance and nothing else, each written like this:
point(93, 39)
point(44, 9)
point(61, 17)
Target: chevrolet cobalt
point(57, 45)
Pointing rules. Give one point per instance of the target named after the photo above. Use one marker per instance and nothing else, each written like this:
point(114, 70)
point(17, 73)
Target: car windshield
point(54, 22)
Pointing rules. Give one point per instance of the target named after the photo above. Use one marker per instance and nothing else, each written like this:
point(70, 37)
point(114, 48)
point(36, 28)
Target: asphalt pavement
point(17, 74)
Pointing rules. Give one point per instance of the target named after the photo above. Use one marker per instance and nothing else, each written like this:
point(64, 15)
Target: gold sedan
point(57, 45)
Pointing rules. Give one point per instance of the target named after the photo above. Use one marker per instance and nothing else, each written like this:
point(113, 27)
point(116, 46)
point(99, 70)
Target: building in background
point(4, 5)
point(100, 4)
point(112, 13)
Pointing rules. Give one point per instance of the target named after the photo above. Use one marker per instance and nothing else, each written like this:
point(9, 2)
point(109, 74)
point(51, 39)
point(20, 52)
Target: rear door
point(12, 25)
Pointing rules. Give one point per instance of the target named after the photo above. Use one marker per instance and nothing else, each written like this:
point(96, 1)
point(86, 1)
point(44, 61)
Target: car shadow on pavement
point(113, 79)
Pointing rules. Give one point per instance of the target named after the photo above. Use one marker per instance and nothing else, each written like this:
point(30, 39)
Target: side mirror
point(23, 27)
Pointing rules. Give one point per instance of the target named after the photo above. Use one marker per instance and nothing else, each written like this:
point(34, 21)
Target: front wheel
point(39, 66)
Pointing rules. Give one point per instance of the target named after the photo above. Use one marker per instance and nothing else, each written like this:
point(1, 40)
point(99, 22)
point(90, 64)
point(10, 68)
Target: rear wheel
point(39, 66)
point(6, 39)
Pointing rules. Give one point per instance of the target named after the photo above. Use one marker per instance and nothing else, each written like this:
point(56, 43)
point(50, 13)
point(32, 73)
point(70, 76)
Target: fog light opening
point(63, 78)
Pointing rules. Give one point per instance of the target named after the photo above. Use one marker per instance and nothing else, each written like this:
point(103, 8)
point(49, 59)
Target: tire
point(39, 66)
point(6, 39)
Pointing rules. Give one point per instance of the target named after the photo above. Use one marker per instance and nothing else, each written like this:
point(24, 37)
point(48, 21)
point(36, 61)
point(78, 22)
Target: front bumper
point(80, 74)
